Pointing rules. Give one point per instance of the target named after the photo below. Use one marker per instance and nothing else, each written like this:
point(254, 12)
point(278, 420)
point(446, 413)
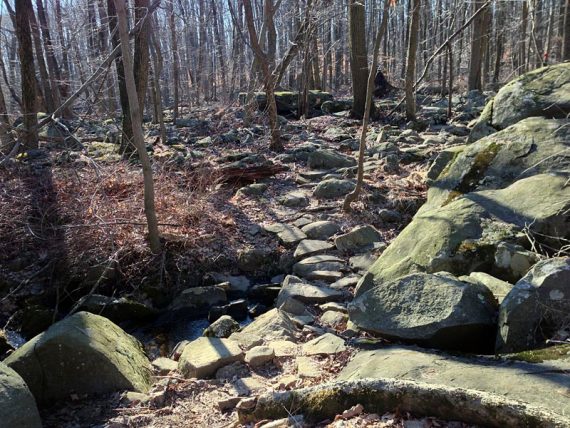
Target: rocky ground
point(283, 310)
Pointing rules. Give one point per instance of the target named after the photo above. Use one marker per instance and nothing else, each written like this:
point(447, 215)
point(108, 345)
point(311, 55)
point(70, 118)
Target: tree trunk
point(24, 13)
point(136, 119)
point(566, 34)
point(358, 56)
point(175, 59)
point(268, 78)
point(477, 45)
point(411, 60)
point(353, 196)
point(127, 134)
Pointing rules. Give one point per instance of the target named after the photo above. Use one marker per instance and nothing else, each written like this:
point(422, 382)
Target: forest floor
point(85, 207)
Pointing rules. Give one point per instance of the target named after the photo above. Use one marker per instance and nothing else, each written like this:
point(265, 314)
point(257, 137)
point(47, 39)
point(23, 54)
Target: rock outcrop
point(543, 92)
point(17, 404)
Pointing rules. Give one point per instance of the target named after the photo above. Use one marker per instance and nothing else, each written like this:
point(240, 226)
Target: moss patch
point(558, 352)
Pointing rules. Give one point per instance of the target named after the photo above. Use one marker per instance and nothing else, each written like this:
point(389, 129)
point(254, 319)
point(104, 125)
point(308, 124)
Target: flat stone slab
point(544, 384)
point(326, 344)
point(325, 275)
point(297, 289)
point(272, 325)
point(287, 234)
point(362, 262)
point(309, 247)
point(316, 263)
point(202, 357)
point(284, 348)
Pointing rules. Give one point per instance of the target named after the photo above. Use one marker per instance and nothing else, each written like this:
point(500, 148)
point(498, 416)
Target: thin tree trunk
point(136, 119)
point(358, 57)
point(175, 60)
point(411, 61)
point(353, 196)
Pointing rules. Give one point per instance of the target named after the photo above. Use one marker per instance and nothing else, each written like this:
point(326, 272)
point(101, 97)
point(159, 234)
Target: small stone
point(164, 365)
point(321, 230)
point(247, 404)
point(294, 199)
point(325, 344)
point(228, 403)
point(333, 318)
point(287, 234)
point(318, 263)
point(309, 247)
point(293, 306)
point(246, 386)
point(246, 340)
point(223, 327)
point(259, 355)
point(294, 287)
point(333, 188)
point(389, 216)
point(359, 237)
point(334, 306)
point(232, 371)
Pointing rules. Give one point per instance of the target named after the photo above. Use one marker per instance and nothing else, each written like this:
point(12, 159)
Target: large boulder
point(83, 354)
point(436, 309)
point(17, 404)
point(536, 307)
point(462, 236)
point(543, 92)
point(533, 146)
point(287, 101)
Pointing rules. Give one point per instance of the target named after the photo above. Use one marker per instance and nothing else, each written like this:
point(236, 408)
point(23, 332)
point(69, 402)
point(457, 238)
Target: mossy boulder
point(288, 101)
point(104, 152)
point(462, 236)
point(83, 354)
point(17, 404)
point(542, 92)
point(533, 146)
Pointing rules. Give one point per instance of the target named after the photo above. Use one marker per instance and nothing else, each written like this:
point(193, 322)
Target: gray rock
point(17, 404)
point(327, 159)
point(116, 309)
point(259, 355)
point(336, 134)
point(202, 357)
point(333, 318)
point(255, 189)
point(287, 234)
point(272, 325)
point(317, 263)
point(540, 384)
point(358, 238)
point(389, 216)
point(295, 199)
point(293, 307)
point(326, 344)
point(83, 354)
point(348, 281)
point(221, 328)
point(164, 365)
point(498, 287)
point(537, 306)
point(435, 309)
point(321, 229)
point(333, 188)
point(297, 289)
point(309, 247)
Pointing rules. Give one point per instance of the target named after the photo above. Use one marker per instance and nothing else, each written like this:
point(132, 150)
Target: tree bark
point(136, 119)
point(358, 56)
point(566, 34)
point(24, 12)
point(411, 61)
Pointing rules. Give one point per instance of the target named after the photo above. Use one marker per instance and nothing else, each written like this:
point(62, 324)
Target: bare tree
point(136, 120)
point(411, 60)
point(358, 56)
